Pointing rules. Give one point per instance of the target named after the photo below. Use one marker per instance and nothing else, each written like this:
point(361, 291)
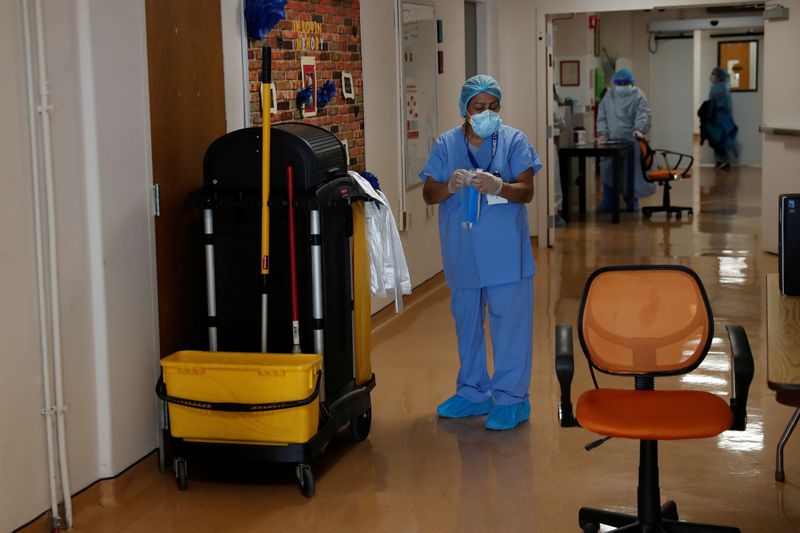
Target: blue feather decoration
point(305, 97)
point(372, 179)
point(262, 16)
point(325, 93)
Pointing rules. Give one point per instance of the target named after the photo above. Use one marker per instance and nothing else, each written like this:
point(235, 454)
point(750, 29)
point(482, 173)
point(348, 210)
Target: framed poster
point(347, 86)
point(308, 73)
point(570, 73)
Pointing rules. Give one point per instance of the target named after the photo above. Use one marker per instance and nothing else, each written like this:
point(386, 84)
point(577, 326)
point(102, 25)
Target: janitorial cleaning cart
point(287, 280)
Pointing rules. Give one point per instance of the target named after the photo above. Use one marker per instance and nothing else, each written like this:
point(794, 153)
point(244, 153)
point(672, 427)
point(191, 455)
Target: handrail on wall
point(794, 132)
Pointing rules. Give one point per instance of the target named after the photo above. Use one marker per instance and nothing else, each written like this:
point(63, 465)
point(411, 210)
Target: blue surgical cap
point(476, 85)
point(624, 77)
point(720, 73)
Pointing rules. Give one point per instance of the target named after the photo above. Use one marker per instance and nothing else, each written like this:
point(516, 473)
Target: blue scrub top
point(497, 250)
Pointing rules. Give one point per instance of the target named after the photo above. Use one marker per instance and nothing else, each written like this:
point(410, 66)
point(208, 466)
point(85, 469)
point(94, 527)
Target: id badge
point(492, 200)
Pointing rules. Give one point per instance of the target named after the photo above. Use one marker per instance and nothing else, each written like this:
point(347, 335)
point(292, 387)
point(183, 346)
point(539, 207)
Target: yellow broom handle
point(266, 94)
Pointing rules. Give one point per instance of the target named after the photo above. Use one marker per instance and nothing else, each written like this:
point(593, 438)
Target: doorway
point(671, 60)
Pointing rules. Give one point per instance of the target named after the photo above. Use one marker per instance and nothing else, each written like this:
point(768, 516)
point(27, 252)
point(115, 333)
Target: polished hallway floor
point(418, 473)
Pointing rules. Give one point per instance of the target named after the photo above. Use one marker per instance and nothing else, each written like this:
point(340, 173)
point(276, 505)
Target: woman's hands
point(487, 183)
point(458, 179)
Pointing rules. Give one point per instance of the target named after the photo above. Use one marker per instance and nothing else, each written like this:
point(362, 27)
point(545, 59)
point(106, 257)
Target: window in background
point(740, 61)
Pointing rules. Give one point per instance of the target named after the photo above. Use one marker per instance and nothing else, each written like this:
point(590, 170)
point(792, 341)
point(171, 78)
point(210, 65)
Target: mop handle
point(266, 94)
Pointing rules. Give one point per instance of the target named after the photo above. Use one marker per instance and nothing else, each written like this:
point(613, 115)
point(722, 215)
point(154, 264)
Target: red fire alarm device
point(594, 21)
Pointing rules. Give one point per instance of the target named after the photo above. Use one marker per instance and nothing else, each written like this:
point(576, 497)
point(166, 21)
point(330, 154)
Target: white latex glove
point(638, 134)
point(487, 183)
point(602, 139)
point(458, 179)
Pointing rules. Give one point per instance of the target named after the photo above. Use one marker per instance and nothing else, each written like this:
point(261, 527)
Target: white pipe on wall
point(48, 410)
point(55, 319)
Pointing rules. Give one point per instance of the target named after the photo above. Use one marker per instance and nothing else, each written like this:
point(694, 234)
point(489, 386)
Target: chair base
point(666, 205)
point(589, 521)
point(647, 212)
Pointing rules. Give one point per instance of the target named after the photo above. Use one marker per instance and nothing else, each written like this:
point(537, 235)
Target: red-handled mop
point(293, 262)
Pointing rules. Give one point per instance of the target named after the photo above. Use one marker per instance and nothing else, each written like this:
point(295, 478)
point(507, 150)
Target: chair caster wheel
point(677, 216)
point(669, 510)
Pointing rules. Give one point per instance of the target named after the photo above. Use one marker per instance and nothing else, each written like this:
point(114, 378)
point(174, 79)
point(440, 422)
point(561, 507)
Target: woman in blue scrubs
point(489, 265)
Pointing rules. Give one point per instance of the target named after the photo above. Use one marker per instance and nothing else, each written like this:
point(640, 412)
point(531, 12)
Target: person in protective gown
point(623, 115)
point(722, 128)
point(490, 265)
point(558, 123)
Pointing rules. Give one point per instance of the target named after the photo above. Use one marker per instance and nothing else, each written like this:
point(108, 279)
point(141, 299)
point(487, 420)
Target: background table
point(783, 357)
point(616, 150)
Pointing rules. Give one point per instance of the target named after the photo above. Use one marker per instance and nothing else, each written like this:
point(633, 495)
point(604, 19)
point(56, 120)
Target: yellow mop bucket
point(247, 398)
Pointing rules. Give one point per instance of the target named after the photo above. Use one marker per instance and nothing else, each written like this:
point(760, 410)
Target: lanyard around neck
point(472, 157)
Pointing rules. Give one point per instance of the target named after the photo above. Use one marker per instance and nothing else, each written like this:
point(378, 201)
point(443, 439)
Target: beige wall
point(781, 155)
point(22, 441)
point(100, 138)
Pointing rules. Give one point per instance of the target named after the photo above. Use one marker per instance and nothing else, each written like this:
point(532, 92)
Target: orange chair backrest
point(645, 320)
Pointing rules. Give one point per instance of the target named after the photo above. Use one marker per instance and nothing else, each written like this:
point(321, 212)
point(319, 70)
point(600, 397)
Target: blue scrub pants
point(511, 326)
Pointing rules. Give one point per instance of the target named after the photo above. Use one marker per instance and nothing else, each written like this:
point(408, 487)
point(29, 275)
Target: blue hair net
point(475, 85)
point(720, 73)
point(624, 77)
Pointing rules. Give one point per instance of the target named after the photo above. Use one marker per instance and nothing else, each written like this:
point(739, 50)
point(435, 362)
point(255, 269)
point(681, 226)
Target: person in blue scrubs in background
point(489, 265)
point(725, 145)
point(623, 115)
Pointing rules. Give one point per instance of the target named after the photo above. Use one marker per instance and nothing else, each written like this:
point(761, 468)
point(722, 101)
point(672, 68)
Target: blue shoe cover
point(607, 202)
point(459, 407)
point(508, 416)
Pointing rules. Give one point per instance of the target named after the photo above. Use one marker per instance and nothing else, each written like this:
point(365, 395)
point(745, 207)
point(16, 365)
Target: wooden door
point(187, 112)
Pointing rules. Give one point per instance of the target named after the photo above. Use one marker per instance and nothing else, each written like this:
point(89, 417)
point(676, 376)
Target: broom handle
point(266, 81)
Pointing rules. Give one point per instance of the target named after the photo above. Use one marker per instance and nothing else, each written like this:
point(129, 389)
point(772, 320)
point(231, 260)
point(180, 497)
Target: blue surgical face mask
point(623, 90)
point(485, 124)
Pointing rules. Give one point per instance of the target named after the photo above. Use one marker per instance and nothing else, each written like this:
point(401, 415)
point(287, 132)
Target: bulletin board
point(420, 71)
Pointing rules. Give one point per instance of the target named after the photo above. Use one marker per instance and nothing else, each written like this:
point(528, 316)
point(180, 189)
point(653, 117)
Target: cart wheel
point(589, 527)
point(360, 425)
point(691, 213)
point(678, 215)
point(305, 479)
point(647, 215)
point(181, 472)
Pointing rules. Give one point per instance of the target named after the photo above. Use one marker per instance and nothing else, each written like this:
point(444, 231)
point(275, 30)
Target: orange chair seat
point(666, 174)
point(653, 415)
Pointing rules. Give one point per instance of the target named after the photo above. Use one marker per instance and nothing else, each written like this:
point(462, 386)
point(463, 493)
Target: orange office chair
point(645, 322)
point(676, 166)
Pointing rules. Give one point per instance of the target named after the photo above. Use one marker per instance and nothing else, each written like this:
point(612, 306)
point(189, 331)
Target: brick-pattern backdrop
point(336, 36)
